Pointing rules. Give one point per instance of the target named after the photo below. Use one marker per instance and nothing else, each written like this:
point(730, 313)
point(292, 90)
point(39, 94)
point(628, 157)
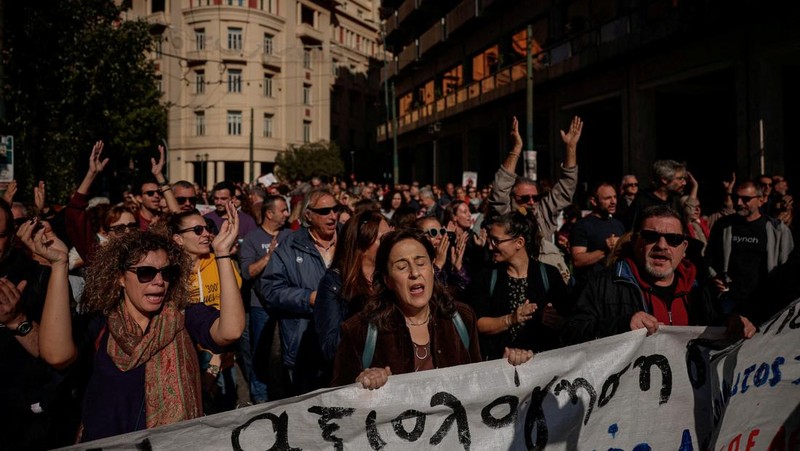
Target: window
point(307, 15)
point(306, 132)
point(234, 80)
point(199, 123)
point(157, 6)
point(234, 38)
point(235, 2)
point(200, 39)
point(268, 125)
point(234, 123)
point(267, 5)
point(199, 81)
point(306, 94)
point(267, 85)
point(307, 58)
point(268, 44)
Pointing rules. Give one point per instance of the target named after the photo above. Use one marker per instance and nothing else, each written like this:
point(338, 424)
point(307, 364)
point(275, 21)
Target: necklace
point(416, 351)
point(410, 323)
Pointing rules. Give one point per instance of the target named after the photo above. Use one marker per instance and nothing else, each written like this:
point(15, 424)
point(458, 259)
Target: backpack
point(372, 337)
point(542, 270)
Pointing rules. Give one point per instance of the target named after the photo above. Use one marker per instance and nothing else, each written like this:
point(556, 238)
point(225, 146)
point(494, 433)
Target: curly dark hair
point(380, 307)
point(103, 291)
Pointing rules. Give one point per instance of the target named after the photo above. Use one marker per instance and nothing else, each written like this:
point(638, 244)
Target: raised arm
point(571, 138)
point(157, 168)
point(499, 198)
point(230, 324)
point(56, 346)
point(96, 166)
point(79, 229)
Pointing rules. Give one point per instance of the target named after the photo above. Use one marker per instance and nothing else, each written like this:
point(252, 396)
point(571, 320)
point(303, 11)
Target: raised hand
point(457, 251)
point(39, 237)
point(39, 196)
point(228, 232)
point(572, 136)
point(96, 165)
point(441, 252)
point(10, 308)
point(11, 190)
point(728, 185)
point(515, 136)
point(157, 167)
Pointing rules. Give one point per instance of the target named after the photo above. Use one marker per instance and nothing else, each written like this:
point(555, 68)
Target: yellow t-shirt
point(205, 281)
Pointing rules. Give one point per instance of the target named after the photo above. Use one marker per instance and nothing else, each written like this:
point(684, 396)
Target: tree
point(320, 159)
point(76, 73)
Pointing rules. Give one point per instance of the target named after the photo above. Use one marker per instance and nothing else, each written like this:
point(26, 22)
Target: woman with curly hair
point(141, 336)
point(414, 324)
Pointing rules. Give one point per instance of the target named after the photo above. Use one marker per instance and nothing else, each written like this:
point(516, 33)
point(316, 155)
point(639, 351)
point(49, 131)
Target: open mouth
point(155, 298)
point(417, 289)
point(658, 258)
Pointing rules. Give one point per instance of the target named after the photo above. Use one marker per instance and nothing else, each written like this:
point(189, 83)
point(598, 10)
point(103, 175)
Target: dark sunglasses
point(672, 239)
point(146, 274)
point(182, 200)
point(435, 232)
point(630, 184)
point(527, 198)
point(744, 199)
point(325, 211)
point(198, 229)
point(765, 183)
point(152, 193)
point(121, 228)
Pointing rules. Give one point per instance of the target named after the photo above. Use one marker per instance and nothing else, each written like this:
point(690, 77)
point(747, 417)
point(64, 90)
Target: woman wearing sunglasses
point(448, 262)
point(191, 232)
point(519, 300)
point(347, 284)
point(142, 331)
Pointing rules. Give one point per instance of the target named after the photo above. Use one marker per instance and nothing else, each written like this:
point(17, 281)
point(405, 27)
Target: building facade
point(244, 80)
point(702, 81)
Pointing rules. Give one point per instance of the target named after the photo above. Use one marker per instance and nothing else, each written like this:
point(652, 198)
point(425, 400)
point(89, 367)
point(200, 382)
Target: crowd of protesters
point(120, 317)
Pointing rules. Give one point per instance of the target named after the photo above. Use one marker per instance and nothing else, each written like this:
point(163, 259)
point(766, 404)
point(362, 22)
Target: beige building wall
point(296, 46)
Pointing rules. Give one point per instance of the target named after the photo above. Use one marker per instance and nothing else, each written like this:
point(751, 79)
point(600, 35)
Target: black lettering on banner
point(786, 320)
point(419, 425)
point(795, 321)
point(280, 426)
point(535, 417)
point(572, 391)
point(373, 436)
point(644, 363)
point(497, 423)
point(326, 414)
point(459, 416)
point(613, 383)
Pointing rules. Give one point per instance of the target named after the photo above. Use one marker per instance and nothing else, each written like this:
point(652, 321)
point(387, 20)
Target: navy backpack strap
point(369, 346)
point(545, 279)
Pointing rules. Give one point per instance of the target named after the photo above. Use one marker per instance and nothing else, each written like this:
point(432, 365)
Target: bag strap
point(372, 338)
point(545, 279)
point(493, 282)
point(369, 346)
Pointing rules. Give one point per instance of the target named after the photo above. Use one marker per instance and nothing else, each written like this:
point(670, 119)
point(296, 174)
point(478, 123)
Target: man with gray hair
point(669, 179)
point(427, 202)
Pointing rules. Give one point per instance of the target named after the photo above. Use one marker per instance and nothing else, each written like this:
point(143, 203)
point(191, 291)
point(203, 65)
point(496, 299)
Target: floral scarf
point(172, 374)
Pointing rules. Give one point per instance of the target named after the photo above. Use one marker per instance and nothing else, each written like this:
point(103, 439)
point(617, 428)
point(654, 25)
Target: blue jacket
point(293, 273)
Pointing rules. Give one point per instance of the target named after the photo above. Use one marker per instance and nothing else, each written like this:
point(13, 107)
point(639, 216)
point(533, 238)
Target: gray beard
point(657, 273)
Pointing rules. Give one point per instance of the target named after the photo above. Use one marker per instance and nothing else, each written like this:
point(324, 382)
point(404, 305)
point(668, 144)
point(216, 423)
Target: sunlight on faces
point(659, 259)
point(432, 223)
point(124, 219)
point(410, 276)
point(526, 190)
point(181, 192)
point(150, 202)
point(145, 299)
point(605, 200)
point(372, 250)
point(194, 245)
point(630, 186)
point(503, 245)
point(279, 213)
point(750, 208)
point(462, 217)
point(324, 225)
point(397, 199)
point(678, 182)
point(221, 197)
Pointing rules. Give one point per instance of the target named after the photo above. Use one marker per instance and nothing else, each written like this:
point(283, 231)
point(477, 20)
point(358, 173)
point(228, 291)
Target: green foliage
point(320, 159)
point(76, 73)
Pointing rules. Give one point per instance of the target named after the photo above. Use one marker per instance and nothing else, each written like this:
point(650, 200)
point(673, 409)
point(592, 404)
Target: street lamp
point(201, 161)
point(434, 130)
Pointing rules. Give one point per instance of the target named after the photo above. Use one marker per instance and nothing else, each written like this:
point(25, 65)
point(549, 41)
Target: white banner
point(681, 388)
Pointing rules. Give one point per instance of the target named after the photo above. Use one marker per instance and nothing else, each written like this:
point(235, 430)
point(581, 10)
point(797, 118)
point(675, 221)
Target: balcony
point(309, 35)
point(270, 61)
point(408, 55)
point(197, 57)
point(435, 35)
point(461, 14)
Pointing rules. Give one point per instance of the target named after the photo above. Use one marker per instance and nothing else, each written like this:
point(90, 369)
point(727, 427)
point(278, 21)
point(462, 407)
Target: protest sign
point(683, 388)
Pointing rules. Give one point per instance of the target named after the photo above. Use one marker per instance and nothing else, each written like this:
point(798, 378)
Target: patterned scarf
point(172, 374)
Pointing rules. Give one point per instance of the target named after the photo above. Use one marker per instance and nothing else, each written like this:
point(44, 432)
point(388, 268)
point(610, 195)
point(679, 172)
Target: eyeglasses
point(152, 193)
point(527, 198)
point(745, 199)
point(435, 232)
point(121, 228)
point(494, 241)
point(672, 239)
point(325, 211)
point(766, 183)
point(198, 229)
point(240, 197)
point(182, 200)
point(634, 185)
point(146, 274)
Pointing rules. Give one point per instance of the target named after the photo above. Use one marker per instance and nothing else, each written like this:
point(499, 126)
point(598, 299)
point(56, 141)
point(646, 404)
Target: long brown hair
point(103, 291)
point(357, 236)
point(382, 304)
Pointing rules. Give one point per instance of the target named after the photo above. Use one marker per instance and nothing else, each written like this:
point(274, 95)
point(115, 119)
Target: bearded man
point(652, 284)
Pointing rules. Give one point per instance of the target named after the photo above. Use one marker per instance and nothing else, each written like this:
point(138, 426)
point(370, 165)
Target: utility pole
point(530, 154)
point(252, 163)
